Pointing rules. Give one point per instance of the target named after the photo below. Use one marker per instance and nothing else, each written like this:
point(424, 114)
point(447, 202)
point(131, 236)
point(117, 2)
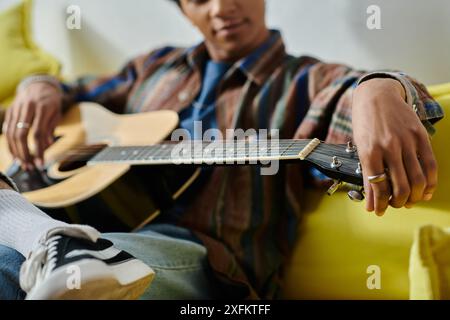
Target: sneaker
point(67, 267)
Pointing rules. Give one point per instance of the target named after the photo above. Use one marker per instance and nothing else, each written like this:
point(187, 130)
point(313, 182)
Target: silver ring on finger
point(378, 178)
point(23, 125)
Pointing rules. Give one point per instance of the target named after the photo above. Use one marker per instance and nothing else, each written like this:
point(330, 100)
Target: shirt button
point(183, 96)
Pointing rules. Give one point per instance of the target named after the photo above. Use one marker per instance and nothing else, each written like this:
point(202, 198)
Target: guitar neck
point(203, 153)
point(339, 162)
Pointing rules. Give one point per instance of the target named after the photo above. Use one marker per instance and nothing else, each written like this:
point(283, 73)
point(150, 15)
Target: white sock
point(22, 225)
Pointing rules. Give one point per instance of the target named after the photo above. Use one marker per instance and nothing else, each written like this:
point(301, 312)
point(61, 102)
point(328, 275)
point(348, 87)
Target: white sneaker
point(67, 267)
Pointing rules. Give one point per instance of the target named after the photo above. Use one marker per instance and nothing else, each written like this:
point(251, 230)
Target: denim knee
point(10, 262)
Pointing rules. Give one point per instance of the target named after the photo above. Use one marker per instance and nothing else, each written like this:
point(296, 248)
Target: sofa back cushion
point(19, 56)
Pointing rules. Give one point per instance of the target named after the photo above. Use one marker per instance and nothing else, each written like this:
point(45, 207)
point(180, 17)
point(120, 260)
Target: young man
point(233, 236)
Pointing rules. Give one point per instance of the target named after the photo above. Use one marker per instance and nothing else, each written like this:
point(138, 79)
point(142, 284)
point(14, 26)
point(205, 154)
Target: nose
point(223, 8)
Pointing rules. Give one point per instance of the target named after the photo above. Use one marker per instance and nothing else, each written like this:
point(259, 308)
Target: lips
point(230, 27)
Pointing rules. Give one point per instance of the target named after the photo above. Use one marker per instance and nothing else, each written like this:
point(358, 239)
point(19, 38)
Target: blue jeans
point(10, 262)
point(174, 253)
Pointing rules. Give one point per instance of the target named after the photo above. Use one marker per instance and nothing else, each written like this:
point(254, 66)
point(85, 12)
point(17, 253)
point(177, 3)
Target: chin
point(235, 45)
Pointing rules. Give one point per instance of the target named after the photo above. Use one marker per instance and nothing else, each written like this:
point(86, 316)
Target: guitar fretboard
point(198, 152)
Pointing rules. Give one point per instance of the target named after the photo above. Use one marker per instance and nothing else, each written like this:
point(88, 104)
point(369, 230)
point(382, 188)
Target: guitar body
point(85, 126)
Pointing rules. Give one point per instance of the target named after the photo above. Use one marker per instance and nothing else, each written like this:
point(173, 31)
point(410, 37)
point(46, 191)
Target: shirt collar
point(257, 66)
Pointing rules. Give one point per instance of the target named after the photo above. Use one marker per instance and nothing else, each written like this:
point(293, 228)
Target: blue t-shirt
point(203, 107)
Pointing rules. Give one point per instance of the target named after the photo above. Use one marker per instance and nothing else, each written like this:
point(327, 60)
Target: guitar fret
point(288, 150)
point(115, 153)
point(296, 147)
point(167, 152)
point(136, 153)
point(149, 152)
point(156, 154)
point(131, 153)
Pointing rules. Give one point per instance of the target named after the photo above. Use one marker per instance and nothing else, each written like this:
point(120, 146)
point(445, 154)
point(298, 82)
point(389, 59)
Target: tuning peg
point(359, 169)
point(336, 163)
point(336, 185)
point(351, 148)
point(356, 195)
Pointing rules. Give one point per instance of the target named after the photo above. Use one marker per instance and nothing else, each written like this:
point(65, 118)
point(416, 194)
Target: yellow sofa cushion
point(19, 56)
point(339, 241)
point(440, 90)
point(429, 268)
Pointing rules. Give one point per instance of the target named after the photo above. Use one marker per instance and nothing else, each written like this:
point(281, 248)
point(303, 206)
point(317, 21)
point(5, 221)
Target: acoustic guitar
point(94, 147)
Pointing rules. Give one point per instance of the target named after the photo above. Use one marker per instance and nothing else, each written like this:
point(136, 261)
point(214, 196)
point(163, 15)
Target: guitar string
point(155, 151)
point(248, 150)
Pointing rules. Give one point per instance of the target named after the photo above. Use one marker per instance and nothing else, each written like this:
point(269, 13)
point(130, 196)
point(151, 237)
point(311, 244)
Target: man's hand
point(390, 136)
point(37, 108)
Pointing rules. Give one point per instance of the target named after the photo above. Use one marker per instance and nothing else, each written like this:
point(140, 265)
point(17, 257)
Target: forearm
point(109, 91)
point(333, 85)
point(332, 88)
point(81, 90)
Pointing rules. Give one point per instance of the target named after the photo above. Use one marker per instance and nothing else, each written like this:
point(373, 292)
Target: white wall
point(415, 35)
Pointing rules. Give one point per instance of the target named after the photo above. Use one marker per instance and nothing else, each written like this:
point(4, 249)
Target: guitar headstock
point(339, 162)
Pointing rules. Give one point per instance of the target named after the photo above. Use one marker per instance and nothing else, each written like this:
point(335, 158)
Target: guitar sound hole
point(78, 158)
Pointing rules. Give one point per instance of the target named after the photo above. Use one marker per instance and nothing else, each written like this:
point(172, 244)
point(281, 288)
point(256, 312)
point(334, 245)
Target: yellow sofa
point(339, 241)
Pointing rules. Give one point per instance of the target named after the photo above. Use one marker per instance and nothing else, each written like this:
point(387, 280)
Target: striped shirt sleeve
point(114, 90)
point(331, 88)
point(110, 91)
point(417, 96)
